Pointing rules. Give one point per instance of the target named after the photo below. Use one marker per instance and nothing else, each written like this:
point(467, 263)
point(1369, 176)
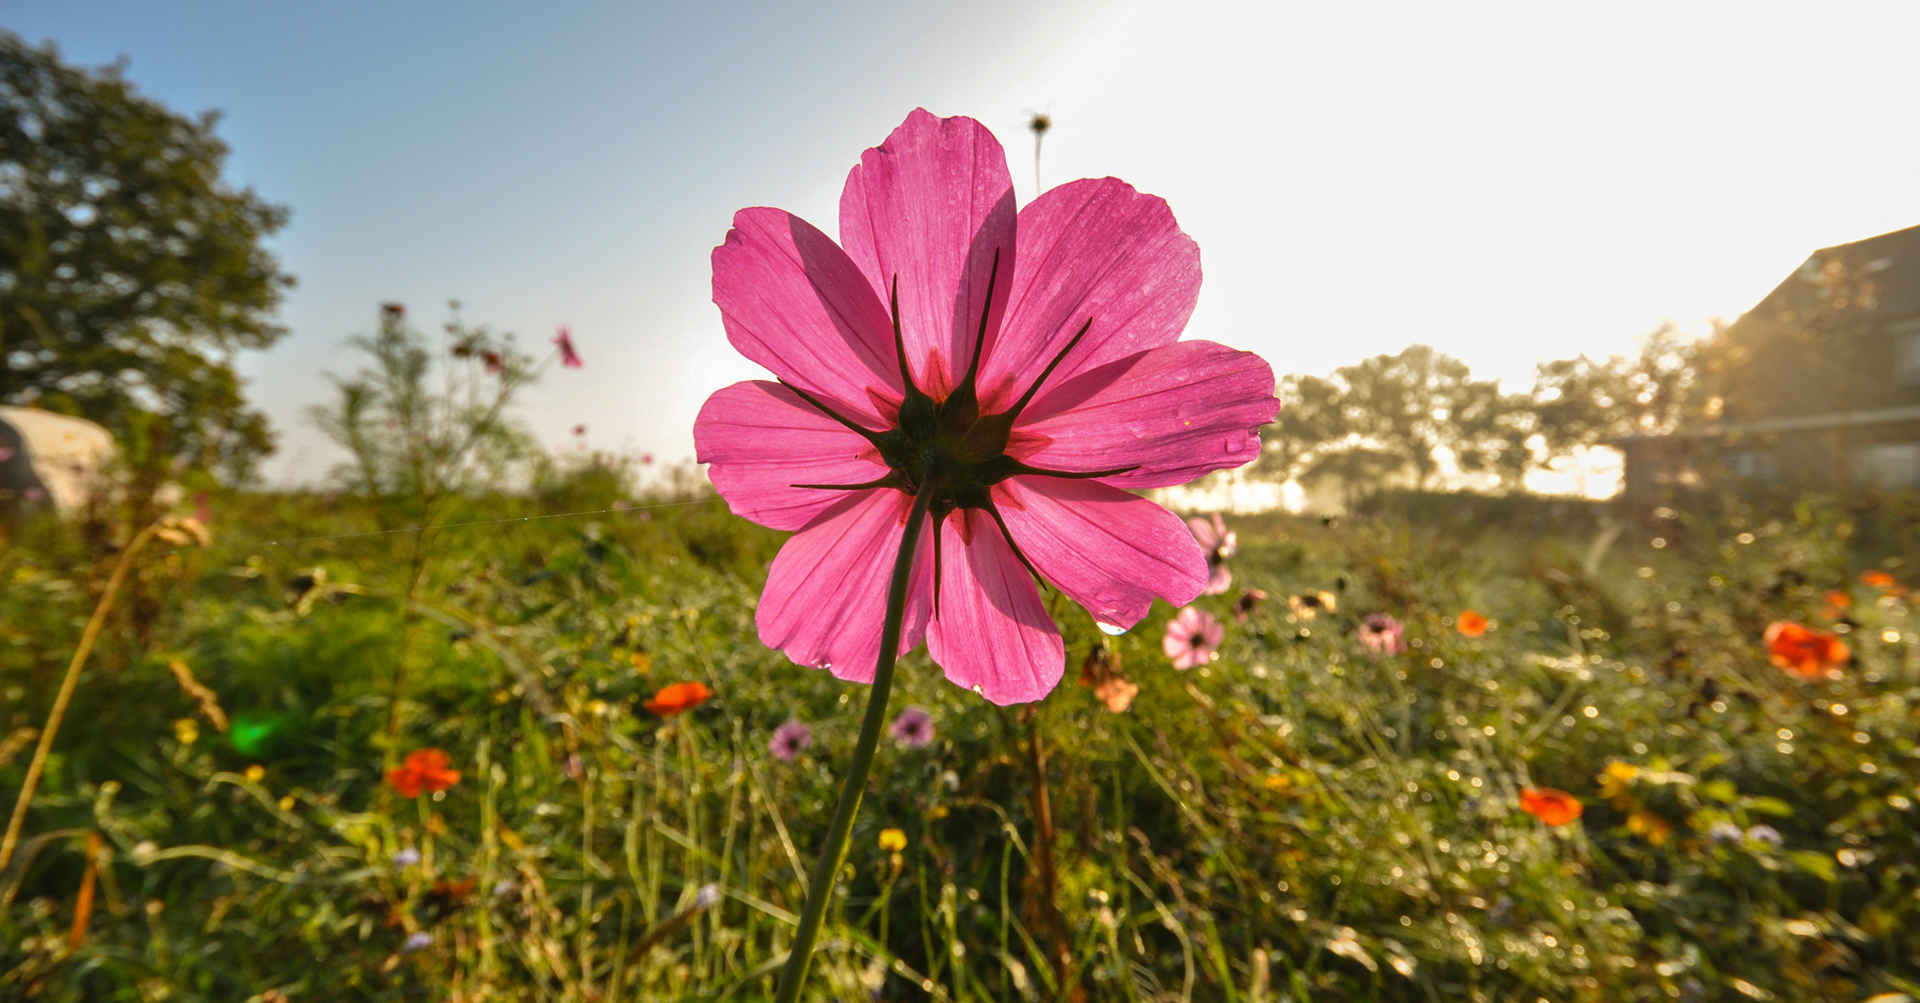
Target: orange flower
point(1471, 623)
point(1550, 805)
point(678, 698)
point(1803, 651)
point(1837, 601)
point(425, 770)
point(1877, 579)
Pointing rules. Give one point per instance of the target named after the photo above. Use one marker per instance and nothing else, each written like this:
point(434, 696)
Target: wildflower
point(1837, 603)
point(707, 897)
point(393, 311)
point(1382, 635)
point(912, 729)
point(1616, 778)
point(186, 730)
point(1022, 377)
point(406, 857)
point(569, 357)
point(493, 360)
point(678, 698)
point(1803, 651)
point(646, 459)
point(790, 740)
point(579, 430)
point(893, 840)
point(418, 941)
point(1193, 638)
point(1724, 832)
point(1219, 543)
point(1311, 604)
point(1649, 826)
point(1550, 805)
point(425, 770)
point(255, 773)
point(1878, 580)
point(1250, 600)
point(1101, 671)
point(1471, 624)
point(1767, 834)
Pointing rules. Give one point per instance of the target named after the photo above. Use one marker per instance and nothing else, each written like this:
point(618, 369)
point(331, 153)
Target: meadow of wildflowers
point(602, 786)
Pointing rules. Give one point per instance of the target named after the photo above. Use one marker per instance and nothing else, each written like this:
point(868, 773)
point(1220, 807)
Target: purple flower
point(913, 729)
point(1765, 834)
point(406, 857)
point(569, 356)
point(1381, 634)
point(790, 740)
point(1193, 638)
point(418, 941)
point(1724, 832)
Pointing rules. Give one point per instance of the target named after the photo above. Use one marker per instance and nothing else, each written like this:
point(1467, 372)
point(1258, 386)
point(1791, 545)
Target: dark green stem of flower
point(826, 868)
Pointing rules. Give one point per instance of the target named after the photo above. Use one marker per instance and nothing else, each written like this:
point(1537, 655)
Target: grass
point(1294, 821)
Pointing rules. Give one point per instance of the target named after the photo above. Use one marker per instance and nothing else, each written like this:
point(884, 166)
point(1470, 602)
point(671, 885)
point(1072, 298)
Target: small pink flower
point(1022, 369)
point(913, 729)
point(646, 459)
point(493, 360)
point(569, 357)
point(790, 740)
point(1193, 638)
point(579, 430)
point(1381, 635)
point(1220, 543)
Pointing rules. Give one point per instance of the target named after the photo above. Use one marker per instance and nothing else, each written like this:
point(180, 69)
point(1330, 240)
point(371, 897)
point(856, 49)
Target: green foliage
point(129, 273)
point(1297, 820)
point(411, 440)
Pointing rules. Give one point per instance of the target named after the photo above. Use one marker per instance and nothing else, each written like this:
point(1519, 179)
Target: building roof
point(1891, 260)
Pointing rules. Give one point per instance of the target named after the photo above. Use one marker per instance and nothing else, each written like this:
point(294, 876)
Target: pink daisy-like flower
point(1193, 638)
point(1022, 372)
point(569, 357)
point(913, 729)
point(1220, 543)
point(1381, 635)
point(790, 740)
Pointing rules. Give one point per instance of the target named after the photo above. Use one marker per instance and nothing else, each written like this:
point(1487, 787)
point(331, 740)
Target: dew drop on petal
point(1110, 629)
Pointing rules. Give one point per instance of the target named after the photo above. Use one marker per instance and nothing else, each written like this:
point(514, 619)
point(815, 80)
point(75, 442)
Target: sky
point(1510, 183)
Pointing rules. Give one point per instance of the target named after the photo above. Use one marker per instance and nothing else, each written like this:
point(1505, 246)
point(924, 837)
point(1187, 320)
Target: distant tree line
point(1404, 419)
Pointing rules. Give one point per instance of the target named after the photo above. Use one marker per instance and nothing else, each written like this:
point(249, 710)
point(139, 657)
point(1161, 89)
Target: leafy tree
point(1654, 391)
point(129, 273)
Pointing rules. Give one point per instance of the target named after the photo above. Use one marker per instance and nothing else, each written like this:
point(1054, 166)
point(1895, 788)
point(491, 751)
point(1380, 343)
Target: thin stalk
point(827, 866)
point(67, 685)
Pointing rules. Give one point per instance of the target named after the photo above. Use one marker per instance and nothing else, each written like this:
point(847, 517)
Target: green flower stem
point(826, 868)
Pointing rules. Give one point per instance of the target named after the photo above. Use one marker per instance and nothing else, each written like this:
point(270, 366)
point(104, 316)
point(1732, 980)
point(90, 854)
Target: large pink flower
point(1022, 369)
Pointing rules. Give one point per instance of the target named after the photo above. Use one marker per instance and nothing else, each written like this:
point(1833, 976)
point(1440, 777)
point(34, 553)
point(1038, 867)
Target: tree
point(130, 274)
point(1582, 402)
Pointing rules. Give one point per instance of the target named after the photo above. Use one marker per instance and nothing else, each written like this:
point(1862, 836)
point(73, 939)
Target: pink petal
point(1090, 250)
point(1219, 581)
point(1203, 533)
point(761, 439)
point(795, 303)
point(1173, 413)
point(827, 589)
point(931, 205)
point(1108, 550)
point(991, 635)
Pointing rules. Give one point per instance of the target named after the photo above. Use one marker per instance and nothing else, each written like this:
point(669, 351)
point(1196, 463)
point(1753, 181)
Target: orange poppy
point(678, 698)
point(1550, 805)
point(1837, 601)
point(1803, 651)
point(1471, 623)
point(425, 770)
point(1877, 579)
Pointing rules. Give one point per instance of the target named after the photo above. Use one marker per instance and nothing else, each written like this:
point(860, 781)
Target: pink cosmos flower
point(1193, 638)
point(790, 740)
point(1023, 370)
point(569, 358)
point(1381, 635)
point(913, 729)
point(1219, 543)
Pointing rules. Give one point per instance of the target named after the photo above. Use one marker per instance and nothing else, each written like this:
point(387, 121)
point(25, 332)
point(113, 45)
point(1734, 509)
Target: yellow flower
point(256, 773)
point(286, 803)
point(893, 840)
point(641, 661)
point(1615, 779)
point(186, 730)
point(1653, 828)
